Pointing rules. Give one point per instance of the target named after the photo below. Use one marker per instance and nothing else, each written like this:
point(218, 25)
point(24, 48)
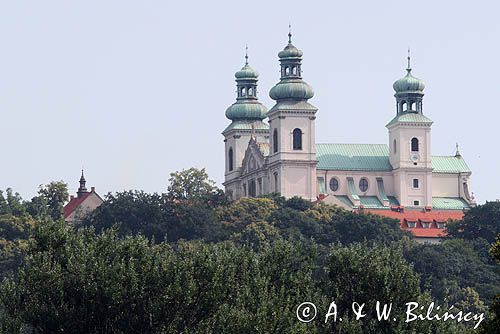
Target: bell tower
point(410, 143)
point(292, 157)
point(246, 115)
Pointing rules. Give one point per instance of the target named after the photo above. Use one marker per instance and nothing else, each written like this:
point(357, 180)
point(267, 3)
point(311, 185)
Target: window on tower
point(250, 91)
point(230, 159)
point(414, 145)
point(404, 106)
point(394, 145)
point(415, 183)
point(275, 140)
point(297, 139)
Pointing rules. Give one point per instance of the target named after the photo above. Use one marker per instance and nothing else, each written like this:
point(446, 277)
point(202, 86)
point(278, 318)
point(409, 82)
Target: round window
point(334, 184)
point(363, 185)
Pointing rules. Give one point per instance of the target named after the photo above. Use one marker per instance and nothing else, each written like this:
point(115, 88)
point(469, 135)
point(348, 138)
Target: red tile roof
point(419, 216)
point(74, 203)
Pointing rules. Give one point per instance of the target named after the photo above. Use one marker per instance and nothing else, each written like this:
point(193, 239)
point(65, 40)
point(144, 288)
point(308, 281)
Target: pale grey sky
point(134, 90)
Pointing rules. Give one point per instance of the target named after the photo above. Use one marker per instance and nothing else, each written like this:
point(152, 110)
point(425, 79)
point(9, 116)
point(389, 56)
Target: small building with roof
point(400, 179)
point(84, 203)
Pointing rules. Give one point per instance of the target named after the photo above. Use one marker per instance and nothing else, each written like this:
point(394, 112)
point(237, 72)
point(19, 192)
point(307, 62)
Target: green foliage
point(448, 267)
point(493, 324)
point(155, 216)
point(191, 184)
point(79, 282)
point(53, 195)
point(482, 221)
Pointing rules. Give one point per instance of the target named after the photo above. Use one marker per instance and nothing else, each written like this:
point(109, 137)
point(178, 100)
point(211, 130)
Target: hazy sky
point(134, 90)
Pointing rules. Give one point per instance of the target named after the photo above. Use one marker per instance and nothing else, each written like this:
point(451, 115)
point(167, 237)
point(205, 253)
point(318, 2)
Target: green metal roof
point(242, 125)
point(438, 203)
point(355, 157)
point(381, 189)
point(449, 164)
point(369, 202)
point(292, 105)
point(410, 117)
point(375, 157)
point(352, 188)
point(449, 203)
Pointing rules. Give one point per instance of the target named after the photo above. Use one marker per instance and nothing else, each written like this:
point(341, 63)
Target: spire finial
point(289, 33)
point(457, 153)
point(409, 67)
point(246, 54)
point(253, 130)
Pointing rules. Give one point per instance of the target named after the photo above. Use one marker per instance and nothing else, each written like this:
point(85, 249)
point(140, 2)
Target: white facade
point(403, 173)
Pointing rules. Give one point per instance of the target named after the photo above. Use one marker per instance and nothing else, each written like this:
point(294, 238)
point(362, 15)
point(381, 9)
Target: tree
point(191, 184)
point(493, 325)
point(79, 282)
point(50, 200)
point(482, 221)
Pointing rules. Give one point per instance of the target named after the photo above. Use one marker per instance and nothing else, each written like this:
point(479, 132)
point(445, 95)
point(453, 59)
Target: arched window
point(287, 71)
point(394, 146)
point(250, 91)
point(297, 139)
point(275, 140)
point(243, 91)
point(412, 106)
point(294, 70)
point(404, 106)
point(230, 159)
point(414, 145)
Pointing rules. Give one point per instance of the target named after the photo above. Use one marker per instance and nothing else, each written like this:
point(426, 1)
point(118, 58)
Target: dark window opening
point(230, 159)
point(414, 145)
point(297, 139)
point(415, 183)
point(252, 189)
point(275, 141)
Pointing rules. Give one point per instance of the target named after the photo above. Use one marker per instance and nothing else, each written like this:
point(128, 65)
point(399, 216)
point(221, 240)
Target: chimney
point(92, 189)
point(72, 197)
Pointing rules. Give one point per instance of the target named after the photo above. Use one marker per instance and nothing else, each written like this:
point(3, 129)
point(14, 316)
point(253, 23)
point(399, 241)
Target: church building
point(400, 179)
point(84, 203)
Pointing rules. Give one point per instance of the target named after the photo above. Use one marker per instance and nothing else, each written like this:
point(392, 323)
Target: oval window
point(334, 184)
point(363, 185)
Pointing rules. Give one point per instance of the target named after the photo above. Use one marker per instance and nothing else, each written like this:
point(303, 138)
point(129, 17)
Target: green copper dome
point(291, 85)
point(246, 110)
point(408, 84)
point(290, 51)
point(246, 72)
point(291, 89)
point(247, 107)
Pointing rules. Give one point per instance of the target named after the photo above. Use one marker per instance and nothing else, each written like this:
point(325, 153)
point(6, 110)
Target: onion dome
point(290, 51)
point(408, 83)
point(409, 93)
point(247, 107)
point(246, 72)
point(291, 85)
point(246, 111)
